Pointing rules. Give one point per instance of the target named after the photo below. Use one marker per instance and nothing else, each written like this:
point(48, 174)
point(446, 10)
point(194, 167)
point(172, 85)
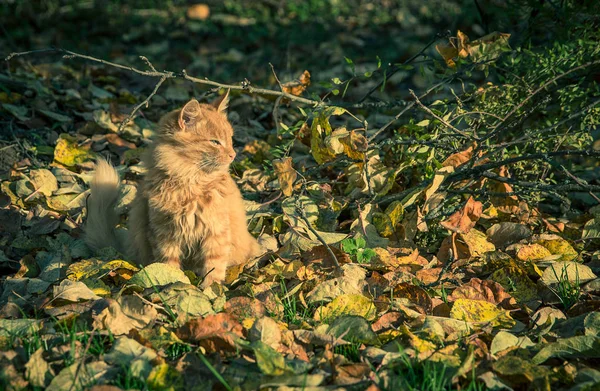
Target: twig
point(82, 361)
point(302, 213)
point(407, 108)
point(144, 102)
point(243, 86)
point(498, 126)
point(434, 115)
point(145, 59)
point(396, 68)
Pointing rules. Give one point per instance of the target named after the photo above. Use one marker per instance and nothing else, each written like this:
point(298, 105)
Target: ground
point(424, 179)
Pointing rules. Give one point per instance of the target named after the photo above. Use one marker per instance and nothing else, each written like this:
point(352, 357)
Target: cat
point(188, 211)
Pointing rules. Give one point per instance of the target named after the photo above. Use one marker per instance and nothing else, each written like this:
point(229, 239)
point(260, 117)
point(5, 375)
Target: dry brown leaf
point(215, 333)
point(243, 307)
point(465, 219)
point(416, 295)
point(486, 290)
point(299, 86)
point(286, 175)
point(458, 159)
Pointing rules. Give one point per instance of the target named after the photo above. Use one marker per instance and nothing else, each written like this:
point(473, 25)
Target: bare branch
point(244, 86)
point(302, 214)
point(144, 102)
point(498, 126)
point(443, 121)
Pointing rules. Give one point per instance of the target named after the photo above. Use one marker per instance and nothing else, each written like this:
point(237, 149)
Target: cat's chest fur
point(192, 211)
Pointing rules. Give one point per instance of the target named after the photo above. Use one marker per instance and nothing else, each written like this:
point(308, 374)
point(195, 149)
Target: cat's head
point(196, 139)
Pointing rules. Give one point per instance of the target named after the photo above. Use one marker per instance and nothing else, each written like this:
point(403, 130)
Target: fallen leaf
point(37, 370)
point(124, 314)
point(286, 175)
point(347, 305)
point(158, 274)
point(567, 271)
point(583, 346)
point(480, 311)
point(465, 219)
point(506, 233)
point(69, 153)
point(486, 290)
point(129, 353)
point(353, 328)
point(215, 333)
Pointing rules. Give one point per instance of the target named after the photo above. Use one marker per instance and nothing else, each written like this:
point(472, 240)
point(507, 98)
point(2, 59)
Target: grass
point(411, 375)
point(351, 351)
point(293, 311)
point(177, 350)
point(127, 381)
point(568, 292)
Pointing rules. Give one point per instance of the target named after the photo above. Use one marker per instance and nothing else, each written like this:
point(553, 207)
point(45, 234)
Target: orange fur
point(188, 210)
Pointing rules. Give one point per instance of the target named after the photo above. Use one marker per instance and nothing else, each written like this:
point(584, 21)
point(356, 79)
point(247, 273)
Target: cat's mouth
point(209, 166)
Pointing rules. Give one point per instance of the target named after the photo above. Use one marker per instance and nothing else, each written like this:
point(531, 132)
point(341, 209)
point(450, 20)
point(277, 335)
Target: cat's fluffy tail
point(101, 215)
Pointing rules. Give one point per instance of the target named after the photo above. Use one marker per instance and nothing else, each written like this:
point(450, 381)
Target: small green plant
point(127, 381)
point(351, 351)
point(177, 350)
point(357, 249)
point(293, 312)
point(567, 291)
point(426, 375)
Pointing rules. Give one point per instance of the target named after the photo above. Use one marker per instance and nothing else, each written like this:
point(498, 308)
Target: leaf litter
point(486, 304)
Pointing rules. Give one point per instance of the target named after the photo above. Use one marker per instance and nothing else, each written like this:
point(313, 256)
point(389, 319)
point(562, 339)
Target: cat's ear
point(189, 114)
point(221, 102)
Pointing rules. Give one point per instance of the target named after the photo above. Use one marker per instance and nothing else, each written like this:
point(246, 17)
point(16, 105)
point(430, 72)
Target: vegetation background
point(424, 175)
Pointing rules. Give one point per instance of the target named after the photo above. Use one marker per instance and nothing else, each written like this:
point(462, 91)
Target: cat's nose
point(232, 155)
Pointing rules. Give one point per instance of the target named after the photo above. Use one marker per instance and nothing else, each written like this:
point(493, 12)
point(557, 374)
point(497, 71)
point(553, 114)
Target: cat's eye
point(216, 142)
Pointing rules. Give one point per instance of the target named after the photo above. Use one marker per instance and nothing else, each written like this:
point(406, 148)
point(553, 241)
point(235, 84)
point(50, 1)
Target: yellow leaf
point(477, 243)
point(347, 305)
point(559, 246)
point(533, 252)
point(69, 153)
point(481, 311)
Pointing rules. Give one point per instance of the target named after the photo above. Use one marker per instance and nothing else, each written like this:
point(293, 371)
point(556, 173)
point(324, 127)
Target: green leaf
point(353, 328)
point(158, 274)
point(583, 346)
point(269, 361)
point(17, 111)
point(423, 123)
point(131, 354)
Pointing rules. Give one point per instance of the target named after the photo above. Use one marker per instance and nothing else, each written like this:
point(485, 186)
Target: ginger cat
point(188, 211)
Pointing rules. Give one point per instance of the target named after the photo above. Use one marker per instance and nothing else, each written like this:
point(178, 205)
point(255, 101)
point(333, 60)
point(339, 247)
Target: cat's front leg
point(216, 254)
point(166, 245)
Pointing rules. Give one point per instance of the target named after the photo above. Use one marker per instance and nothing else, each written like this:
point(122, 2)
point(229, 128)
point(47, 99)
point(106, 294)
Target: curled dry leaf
point(297, 87)
point(463, 220)
point(122, 315)
point(215, 333)
point(286, 175)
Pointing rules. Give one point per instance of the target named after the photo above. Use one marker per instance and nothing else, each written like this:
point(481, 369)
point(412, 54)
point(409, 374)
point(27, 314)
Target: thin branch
point(82, 361)
point(477, 170)
point(407, 108)
point(243, 86)
point(542, 186)
point(145, 59)
point(443, 121)
point(396, 68)
point(302, 213)
point(498, 126)
point(144, 102)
